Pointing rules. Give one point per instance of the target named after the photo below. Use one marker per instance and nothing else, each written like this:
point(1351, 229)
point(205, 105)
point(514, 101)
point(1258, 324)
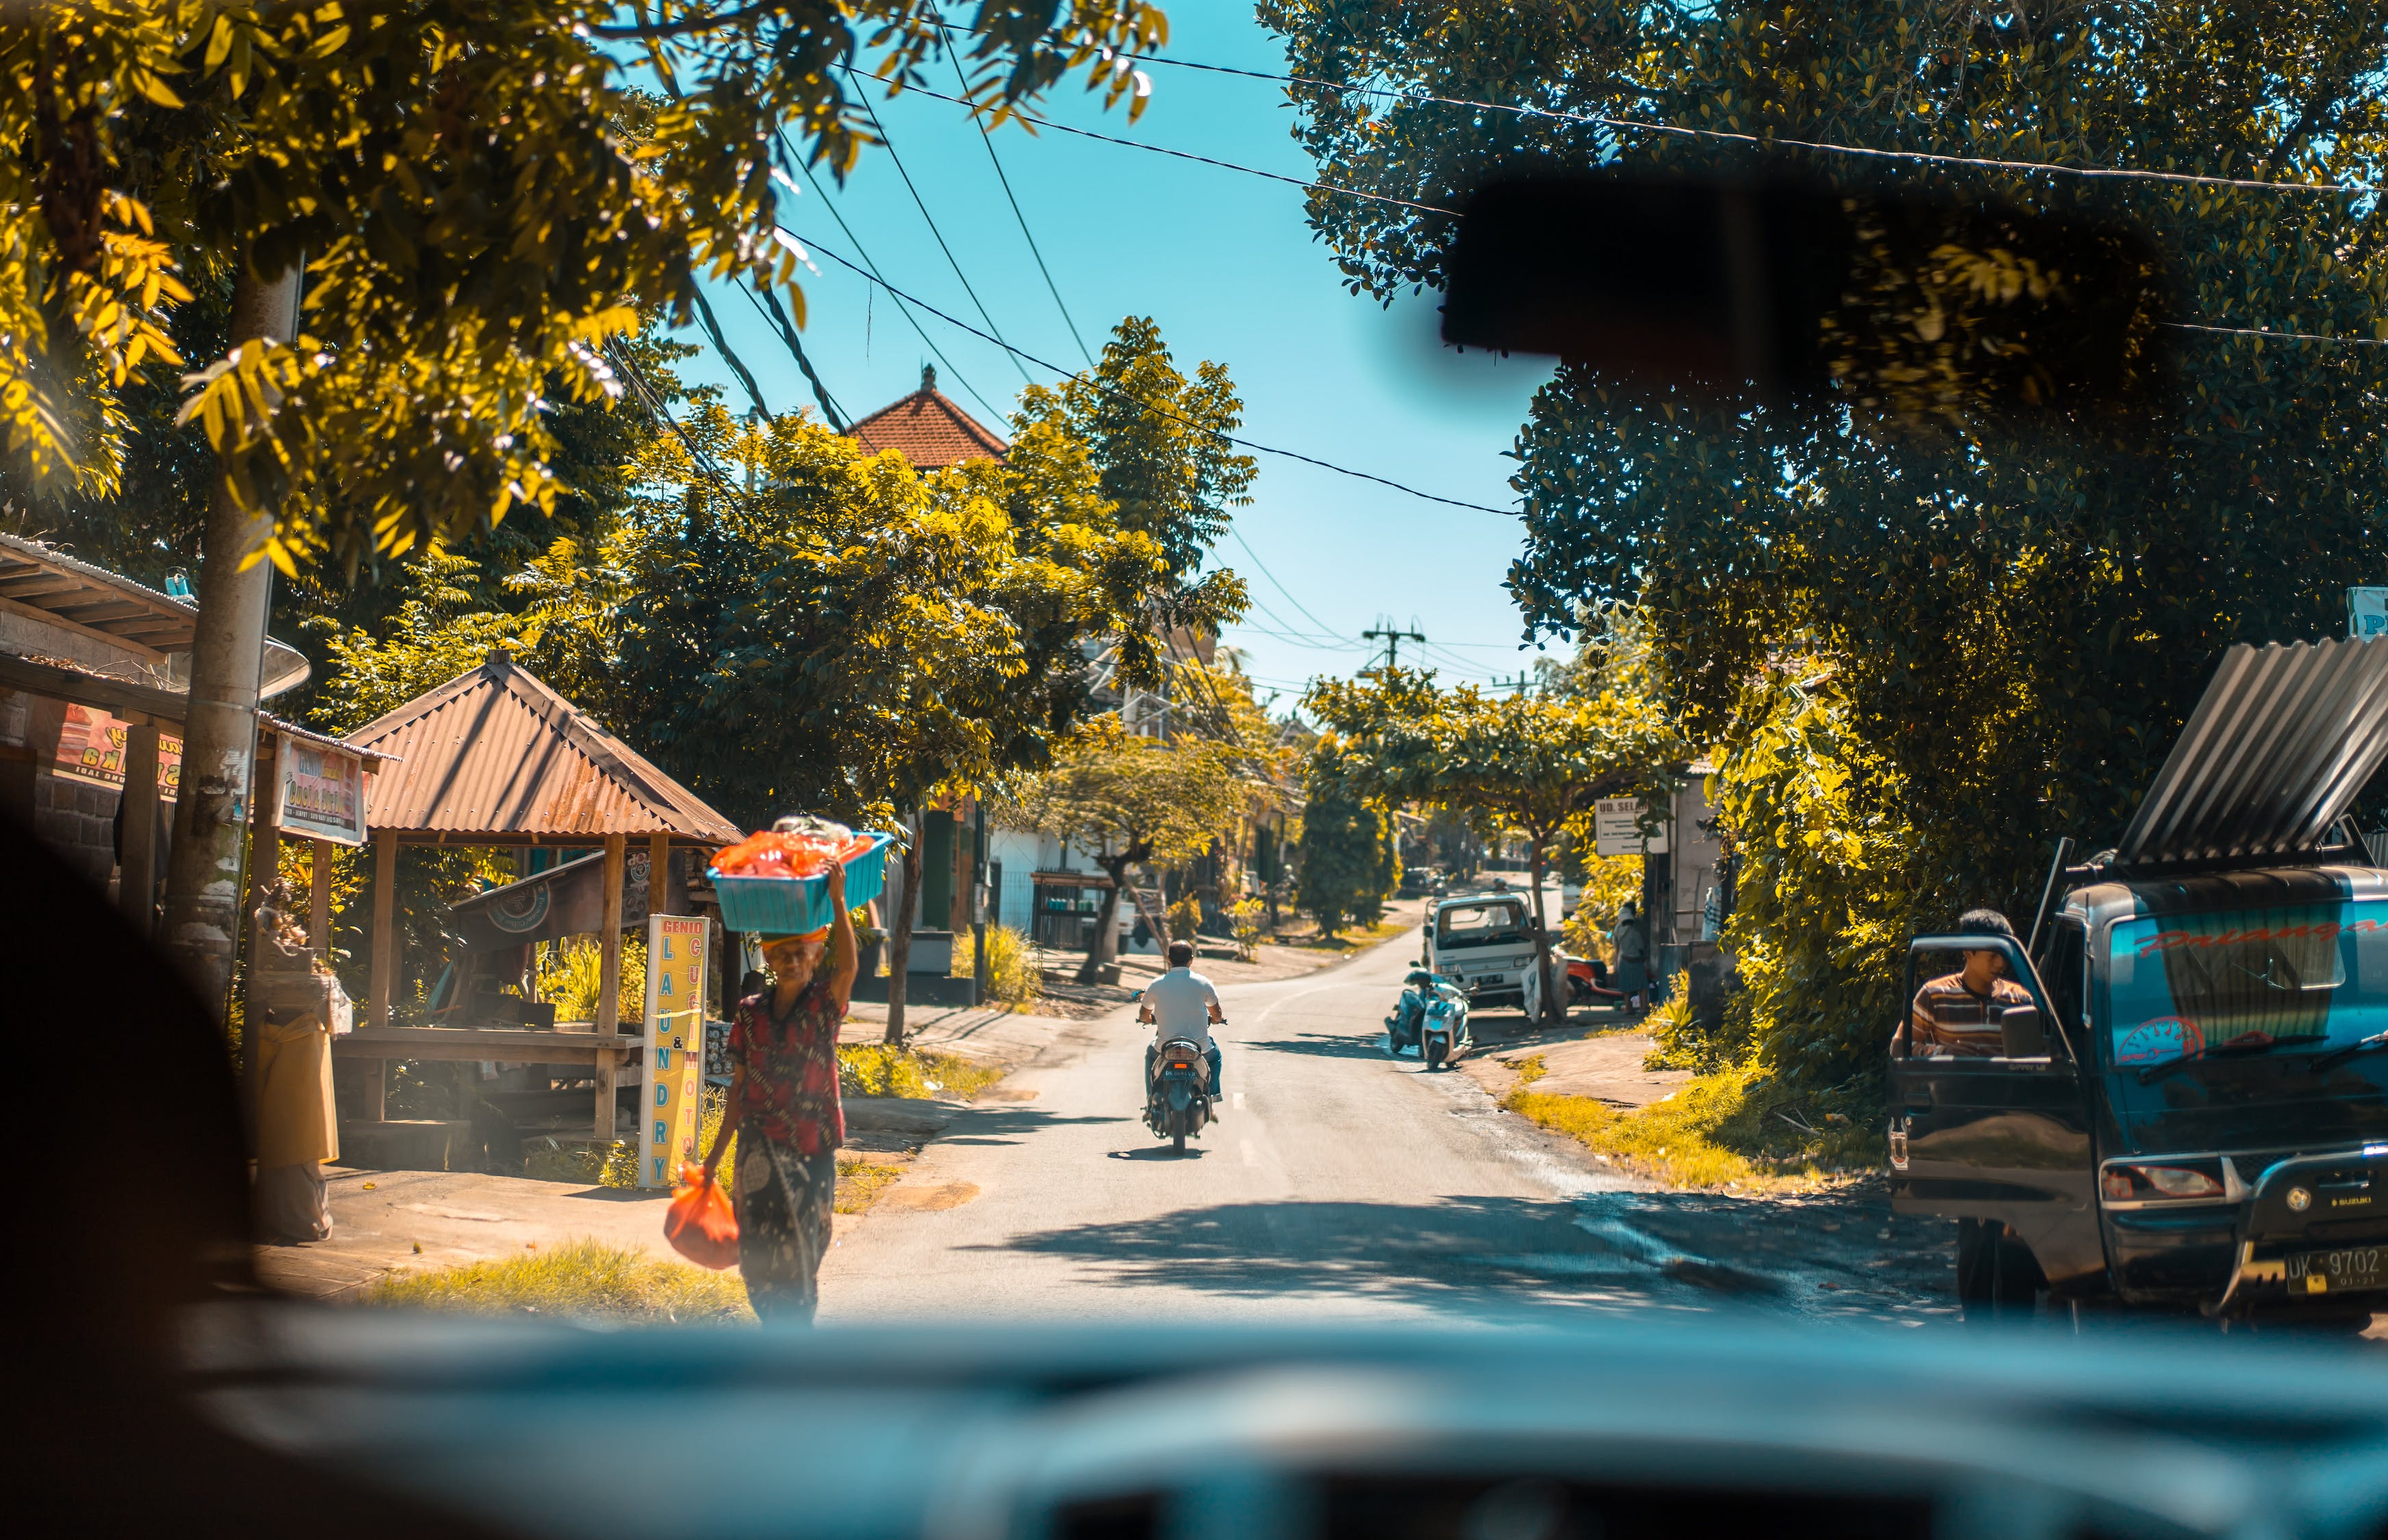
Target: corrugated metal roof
point(2274, 754)
point(495, 753)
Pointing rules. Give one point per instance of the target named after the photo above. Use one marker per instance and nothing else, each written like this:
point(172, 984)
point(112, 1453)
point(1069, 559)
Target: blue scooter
point(1432, 1017)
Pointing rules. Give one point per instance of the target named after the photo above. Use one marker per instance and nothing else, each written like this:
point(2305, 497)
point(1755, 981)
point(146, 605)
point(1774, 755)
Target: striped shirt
point(1952, 1022)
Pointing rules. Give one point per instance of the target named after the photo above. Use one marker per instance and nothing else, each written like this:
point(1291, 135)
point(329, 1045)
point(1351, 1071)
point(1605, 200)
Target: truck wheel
point(1998, 1278)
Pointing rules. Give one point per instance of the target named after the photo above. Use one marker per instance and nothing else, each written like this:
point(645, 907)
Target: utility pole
point(1392, 640)
point(203, 871)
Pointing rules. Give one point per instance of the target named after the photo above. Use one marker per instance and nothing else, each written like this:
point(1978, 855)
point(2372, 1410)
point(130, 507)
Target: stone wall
point(78, 821)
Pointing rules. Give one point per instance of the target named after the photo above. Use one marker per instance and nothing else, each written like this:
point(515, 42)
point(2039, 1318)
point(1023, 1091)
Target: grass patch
point(575, 1281)
point(1013, 979)
point(873, 1069)
point(1349, 939)
point(1733, 1128)
point(859, 1184)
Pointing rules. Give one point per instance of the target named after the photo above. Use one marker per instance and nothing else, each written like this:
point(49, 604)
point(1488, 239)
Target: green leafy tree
point(484, 196)
point(1530, 764)
point(1351, 860)
point(1128, 802)
point(1158, 442)
point(2008, 625)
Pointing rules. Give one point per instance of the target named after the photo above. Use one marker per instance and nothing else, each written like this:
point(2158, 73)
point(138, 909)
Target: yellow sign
point(679, 949)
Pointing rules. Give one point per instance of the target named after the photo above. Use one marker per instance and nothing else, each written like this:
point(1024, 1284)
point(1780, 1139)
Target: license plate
point(2349, 1271)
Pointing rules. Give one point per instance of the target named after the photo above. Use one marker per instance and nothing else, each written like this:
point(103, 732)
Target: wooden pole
point(384, 965)
point(658, 872)
point(385, 934)
point(319, 900)
point(265, 860)
point(136, 882)
point(609, 977)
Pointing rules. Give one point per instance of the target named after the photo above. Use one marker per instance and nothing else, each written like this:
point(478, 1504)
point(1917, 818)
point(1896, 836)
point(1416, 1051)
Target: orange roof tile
point(930, 430)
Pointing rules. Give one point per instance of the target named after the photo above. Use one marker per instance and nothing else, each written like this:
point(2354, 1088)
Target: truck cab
point(1483, 943)
point(2185, 1104)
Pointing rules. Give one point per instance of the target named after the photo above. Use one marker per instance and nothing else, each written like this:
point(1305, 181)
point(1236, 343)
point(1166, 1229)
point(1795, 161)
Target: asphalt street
point(1338, 1183)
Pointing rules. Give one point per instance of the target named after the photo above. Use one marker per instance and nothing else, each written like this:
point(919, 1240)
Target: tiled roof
point(494, 753)
point(930, 430)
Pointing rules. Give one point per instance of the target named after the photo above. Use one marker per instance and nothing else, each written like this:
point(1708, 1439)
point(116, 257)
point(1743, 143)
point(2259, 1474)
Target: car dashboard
point(1459, 1432)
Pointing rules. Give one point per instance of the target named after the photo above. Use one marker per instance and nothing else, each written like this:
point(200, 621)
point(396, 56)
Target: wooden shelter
point(495, 757)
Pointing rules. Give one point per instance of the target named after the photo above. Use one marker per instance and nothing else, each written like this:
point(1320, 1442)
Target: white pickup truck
point(1484, 942)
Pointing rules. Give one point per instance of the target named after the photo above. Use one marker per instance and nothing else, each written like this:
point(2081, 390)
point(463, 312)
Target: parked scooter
point(1179, 1100)
point(1430, 1017)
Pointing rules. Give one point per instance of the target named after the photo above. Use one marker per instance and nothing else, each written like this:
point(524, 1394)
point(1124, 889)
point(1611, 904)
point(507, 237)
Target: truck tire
point(1998, 1278)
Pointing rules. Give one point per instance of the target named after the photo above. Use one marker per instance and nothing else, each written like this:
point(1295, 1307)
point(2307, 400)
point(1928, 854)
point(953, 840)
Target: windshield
point(1481, 925)
point(2307, 974)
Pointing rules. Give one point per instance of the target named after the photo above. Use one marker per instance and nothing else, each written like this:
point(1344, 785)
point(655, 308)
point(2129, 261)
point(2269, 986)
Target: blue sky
point(1225, 262)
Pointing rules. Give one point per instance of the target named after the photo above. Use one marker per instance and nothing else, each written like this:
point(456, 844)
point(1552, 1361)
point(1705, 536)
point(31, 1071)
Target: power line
point(870, 270)
point(2122, 173)
point(1323, 629)
point(777, 315)
point(1055, 289)
point(1188, 155)
point(888, 145)
point(1240, 443)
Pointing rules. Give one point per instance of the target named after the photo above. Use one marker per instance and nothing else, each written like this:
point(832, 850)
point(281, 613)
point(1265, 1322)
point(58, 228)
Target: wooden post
point(319, 900)
point(658, 872)
point(136, 882)
point(609, 976)
point(385, 934)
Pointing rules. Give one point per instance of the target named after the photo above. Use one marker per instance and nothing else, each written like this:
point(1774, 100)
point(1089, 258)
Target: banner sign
point(90, 747)
point(673, 1109)
point(1617, 828)
point(564, 901)
point(2367, 613)
point(319, 793)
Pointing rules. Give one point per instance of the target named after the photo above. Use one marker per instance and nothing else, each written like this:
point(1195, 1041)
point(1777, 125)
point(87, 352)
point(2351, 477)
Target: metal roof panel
point(2280, 744)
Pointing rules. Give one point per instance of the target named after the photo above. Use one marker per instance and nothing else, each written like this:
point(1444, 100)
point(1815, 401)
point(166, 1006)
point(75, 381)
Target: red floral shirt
point(791, 1065)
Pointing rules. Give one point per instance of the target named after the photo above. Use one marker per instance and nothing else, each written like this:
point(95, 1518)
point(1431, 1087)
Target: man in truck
point(1957, 1016)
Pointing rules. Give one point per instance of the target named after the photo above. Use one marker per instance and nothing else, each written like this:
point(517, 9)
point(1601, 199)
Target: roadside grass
point(859, 1184)
point(1731, 1128)
point(574, 1280)
point(873, 1069)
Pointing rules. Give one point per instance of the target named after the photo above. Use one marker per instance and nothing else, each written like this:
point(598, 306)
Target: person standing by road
point(784, 1103)
point(1632, 943)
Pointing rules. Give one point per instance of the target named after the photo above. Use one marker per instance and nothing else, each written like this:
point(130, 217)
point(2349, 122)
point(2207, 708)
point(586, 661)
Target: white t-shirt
point(1181, 1001)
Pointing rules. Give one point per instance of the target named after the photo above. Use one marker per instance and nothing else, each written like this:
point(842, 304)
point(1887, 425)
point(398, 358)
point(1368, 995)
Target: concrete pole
point(203, 868)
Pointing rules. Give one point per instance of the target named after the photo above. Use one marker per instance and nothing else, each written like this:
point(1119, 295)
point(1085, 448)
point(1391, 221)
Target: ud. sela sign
point(2367, 613)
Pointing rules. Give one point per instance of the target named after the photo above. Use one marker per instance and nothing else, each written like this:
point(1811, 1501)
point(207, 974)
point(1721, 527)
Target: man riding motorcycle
point(1181, 1003)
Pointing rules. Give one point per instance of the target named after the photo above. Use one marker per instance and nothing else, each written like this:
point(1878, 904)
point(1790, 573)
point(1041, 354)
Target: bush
point(1013, 978)
point(1681, 1042)
point(1244, 924)
point(568, 976)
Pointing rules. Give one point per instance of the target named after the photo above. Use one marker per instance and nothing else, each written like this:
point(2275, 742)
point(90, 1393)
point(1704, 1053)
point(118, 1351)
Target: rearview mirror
point(1913, 306)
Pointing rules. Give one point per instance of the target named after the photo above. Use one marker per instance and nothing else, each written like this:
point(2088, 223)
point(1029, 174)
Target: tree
point(1351, 862)
point(1159, 444)
point(1981, 638)
point(1527, 764)
point(482, 199)
point(1127, 801)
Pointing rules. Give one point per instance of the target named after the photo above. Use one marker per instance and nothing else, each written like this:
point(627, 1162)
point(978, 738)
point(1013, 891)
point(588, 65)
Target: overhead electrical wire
point(1323, 629)
point(997, 161)
point(2277, 337)
point(2120, 173)
point(888, 145)
point(1240, 443)
point(1304, 183)
point(870, 270)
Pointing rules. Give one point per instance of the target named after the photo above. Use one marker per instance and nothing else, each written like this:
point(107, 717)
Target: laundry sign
point(2367, 613)
point(1616, 828)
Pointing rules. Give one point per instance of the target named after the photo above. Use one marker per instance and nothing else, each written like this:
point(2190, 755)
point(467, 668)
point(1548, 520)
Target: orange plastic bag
point(700, 1224)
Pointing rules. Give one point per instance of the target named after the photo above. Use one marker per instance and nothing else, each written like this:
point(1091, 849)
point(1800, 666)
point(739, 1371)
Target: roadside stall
point(496, 758)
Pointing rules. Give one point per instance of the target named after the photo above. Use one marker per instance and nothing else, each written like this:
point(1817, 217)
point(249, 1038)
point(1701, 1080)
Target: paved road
point(1340, 1183)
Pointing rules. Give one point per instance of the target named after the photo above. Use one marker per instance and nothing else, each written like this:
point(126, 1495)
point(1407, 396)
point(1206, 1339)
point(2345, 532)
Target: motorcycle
point(1179, 1100)
point(1432, 1018)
